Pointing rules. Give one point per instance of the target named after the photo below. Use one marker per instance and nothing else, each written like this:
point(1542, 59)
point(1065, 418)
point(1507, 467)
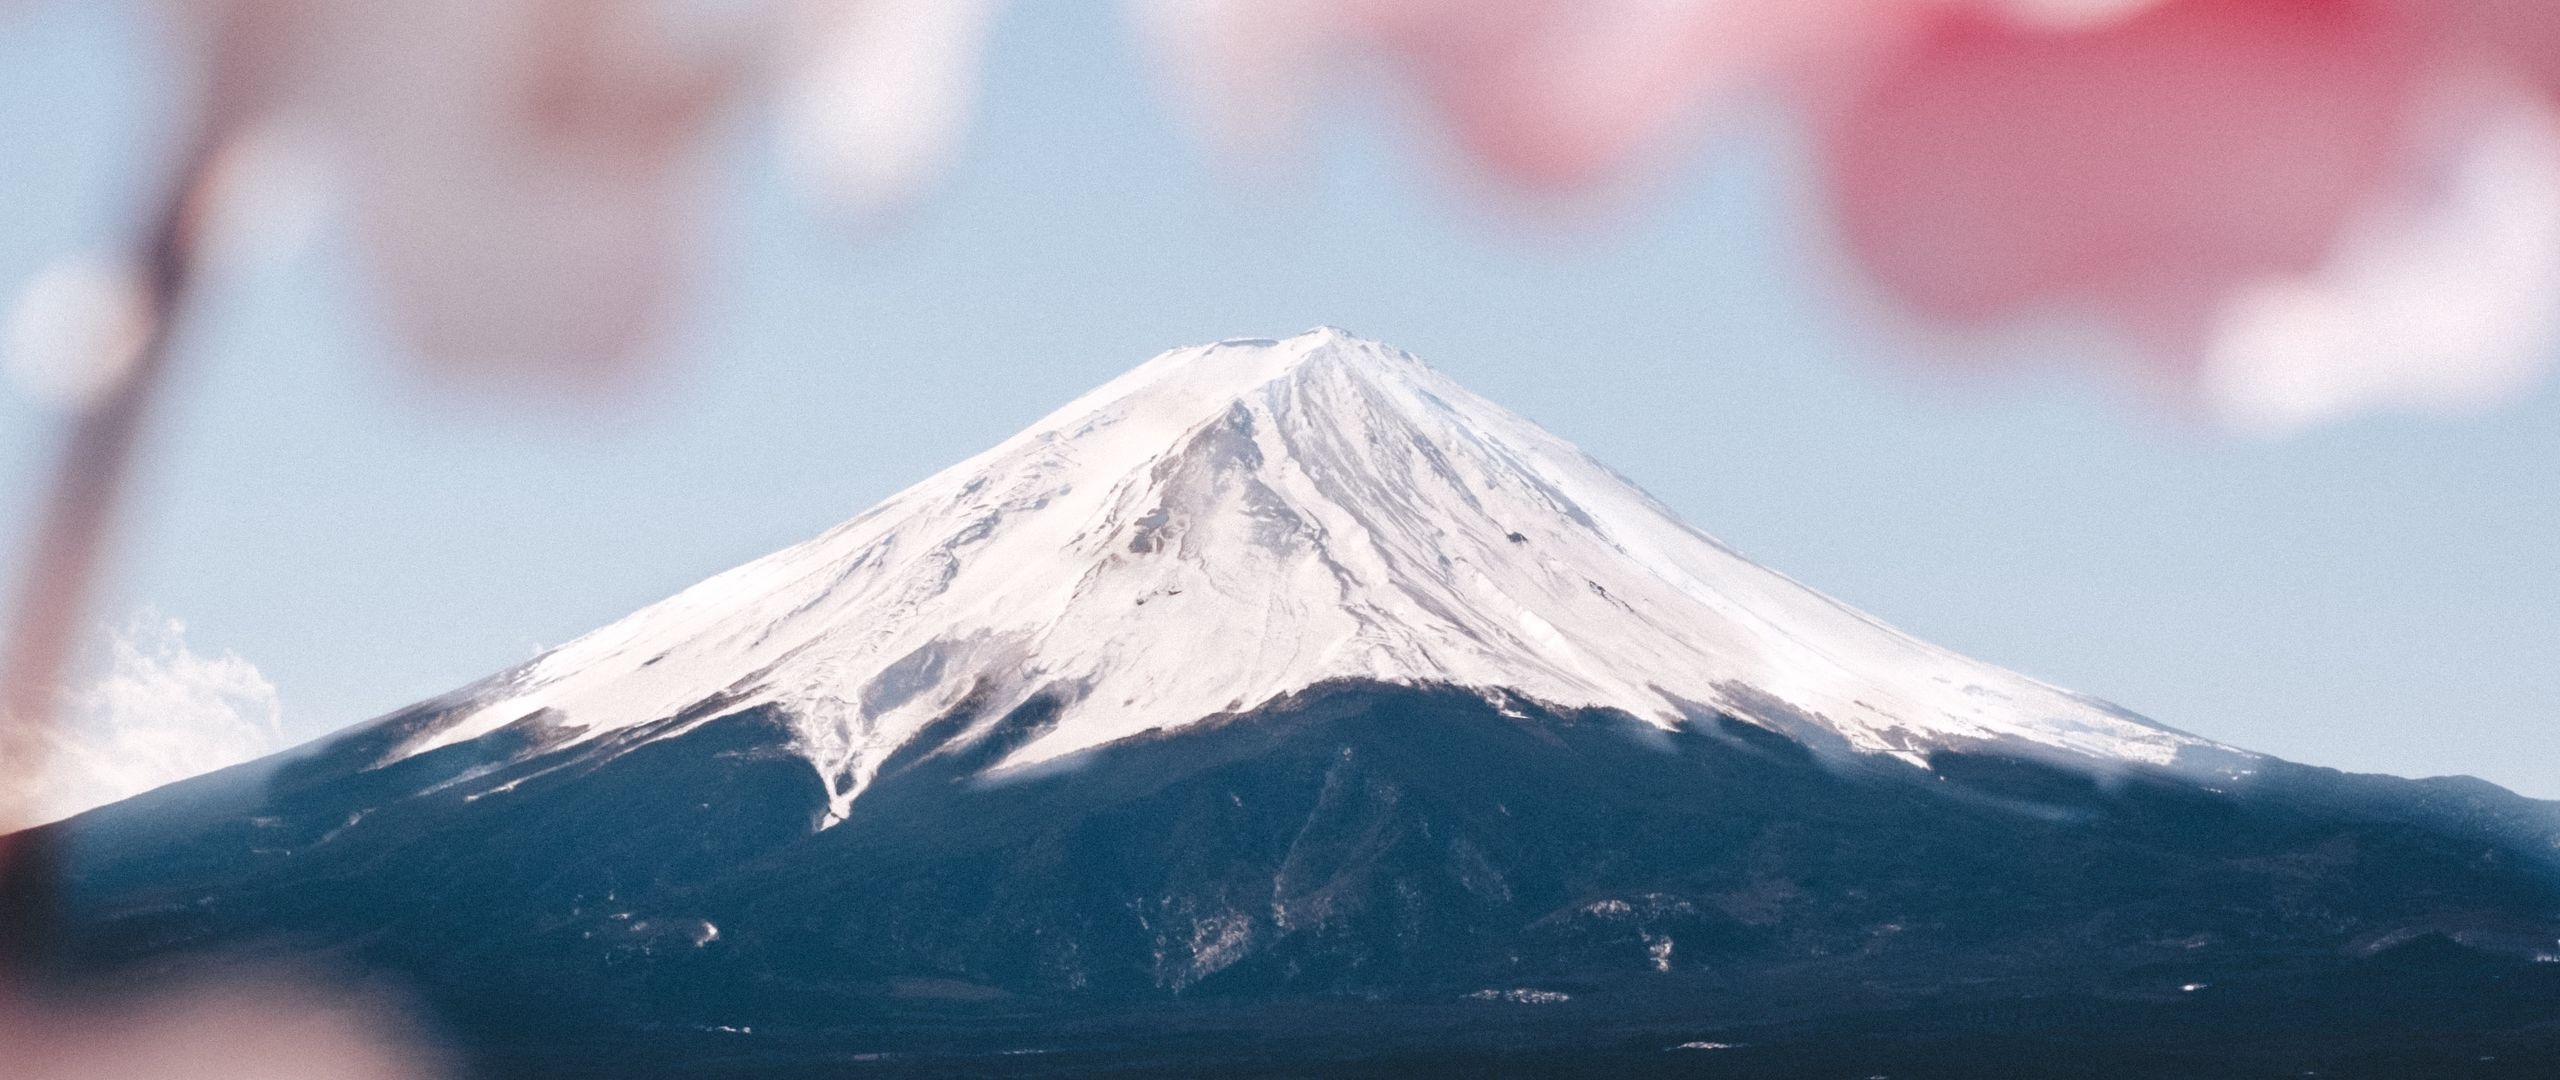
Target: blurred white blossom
point(74, 332)
point(878, 94)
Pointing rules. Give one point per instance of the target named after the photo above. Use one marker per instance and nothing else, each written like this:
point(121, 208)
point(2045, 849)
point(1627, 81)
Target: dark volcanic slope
point(1353, 843)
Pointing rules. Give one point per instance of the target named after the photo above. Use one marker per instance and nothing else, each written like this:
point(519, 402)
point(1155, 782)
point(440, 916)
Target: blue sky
point(2379, 595)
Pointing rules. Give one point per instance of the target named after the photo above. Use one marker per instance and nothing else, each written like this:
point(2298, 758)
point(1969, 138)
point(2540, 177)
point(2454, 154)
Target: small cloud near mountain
point(159, 712)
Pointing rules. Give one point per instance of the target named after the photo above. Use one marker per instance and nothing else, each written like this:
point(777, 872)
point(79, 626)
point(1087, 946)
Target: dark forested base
point(1357, 880)
point(2396, 1017)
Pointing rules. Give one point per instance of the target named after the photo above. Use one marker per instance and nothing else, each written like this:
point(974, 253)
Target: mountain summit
point(1281, 709)
point(1232, 522)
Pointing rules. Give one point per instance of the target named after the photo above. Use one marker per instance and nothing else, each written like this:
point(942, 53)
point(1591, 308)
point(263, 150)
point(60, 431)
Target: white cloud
point(160, 713)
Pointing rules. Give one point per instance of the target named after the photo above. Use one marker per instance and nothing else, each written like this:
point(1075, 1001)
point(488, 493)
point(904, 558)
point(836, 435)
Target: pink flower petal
point(1551, 94)
point(2141, 169)
point(2521, 33)
point(244, 1029)
point(522, 172)
point(1555, 94)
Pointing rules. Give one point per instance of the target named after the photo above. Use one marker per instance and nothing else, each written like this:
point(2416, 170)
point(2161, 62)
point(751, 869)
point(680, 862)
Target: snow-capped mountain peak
point(1228, 523)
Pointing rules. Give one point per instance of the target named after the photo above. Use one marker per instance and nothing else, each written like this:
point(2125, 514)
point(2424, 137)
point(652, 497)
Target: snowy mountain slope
point(1232, 522)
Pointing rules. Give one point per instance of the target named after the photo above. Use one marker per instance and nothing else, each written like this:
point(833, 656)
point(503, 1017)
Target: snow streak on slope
point(1228, 523)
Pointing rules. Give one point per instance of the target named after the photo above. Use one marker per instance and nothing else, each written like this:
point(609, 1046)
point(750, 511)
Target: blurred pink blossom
point(1553, 94)
point(525, 177)
point(2236, 185)
point(2233, 184)
point(2296, 209)
point(2291, 209)
point(244, 1029)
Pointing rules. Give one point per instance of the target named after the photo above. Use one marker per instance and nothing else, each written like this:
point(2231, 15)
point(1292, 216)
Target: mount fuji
point(1286, 703)
point(1231, 523)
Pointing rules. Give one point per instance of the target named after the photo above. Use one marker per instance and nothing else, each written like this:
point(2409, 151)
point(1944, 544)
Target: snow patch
point(1522, 996)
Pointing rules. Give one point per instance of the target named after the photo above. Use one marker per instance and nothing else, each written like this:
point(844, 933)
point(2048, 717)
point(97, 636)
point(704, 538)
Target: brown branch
point(69, 548)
